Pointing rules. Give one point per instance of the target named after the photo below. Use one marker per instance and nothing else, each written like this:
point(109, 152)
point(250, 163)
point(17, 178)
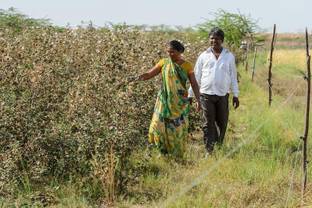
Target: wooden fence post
point(307, 117)
point(246, 58)
point(270, 66)
point(254, 64)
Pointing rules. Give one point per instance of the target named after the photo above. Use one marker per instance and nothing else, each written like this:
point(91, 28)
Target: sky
point(288, 15)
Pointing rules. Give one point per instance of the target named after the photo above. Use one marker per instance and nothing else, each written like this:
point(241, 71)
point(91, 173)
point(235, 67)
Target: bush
point(66, 100)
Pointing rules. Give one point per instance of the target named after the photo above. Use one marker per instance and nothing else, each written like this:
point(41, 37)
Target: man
point(216, 75)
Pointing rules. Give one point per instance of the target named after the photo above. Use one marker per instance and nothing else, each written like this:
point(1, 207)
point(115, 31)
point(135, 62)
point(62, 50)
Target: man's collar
point(224, 50)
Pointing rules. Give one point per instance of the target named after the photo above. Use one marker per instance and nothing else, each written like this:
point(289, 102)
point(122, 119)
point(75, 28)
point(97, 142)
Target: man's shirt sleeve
point(234, 84)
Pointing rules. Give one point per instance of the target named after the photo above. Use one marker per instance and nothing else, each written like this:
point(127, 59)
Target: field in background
point(287, 40)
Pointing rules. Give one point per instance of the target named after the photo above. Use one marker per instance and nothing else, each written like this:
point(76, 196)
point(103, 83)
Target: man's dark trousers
point(215, 114)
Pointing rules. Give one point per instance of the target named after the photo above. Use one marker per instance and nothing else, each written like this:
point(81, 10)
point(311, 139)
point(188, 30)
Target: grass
point(66, 195)
point(290, 62)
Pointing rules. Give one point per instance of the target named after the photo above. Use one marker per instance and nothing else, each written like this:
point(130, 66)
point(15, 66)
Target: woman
point(169, 125)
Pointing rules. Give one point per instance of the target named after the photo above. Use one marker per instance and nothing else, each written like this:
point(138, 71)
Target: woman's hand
point(133, 78)
point(140, 77)
point(198, 106)
point(190, 100)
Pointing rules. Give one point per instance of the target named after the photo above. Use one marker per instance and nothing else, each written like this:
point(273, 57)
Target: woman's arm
point(151, 73)
point(197, 73)
point(195, 87)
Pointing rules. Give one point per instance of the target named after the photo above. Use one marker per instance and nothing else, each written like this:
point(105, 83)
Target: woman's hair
point(218, 32)
point(176, 45)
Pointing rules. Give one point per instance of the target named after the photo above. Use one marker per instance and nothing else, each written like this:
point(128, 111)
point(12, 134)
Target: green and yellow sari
point(169, 125)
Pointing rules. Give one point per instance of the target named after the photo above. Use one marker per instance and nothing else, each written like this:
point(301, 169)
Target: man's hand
point(235, 102)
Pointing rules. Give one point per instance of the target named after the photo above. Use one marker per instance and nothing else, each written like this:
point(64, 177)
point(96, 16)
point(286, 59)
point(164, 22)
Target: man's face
point(215, 41)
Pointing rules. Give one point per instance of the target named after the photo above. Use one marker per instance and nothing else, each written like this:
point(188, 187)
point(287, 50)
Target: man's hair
point(218, 32)
point(176, 45)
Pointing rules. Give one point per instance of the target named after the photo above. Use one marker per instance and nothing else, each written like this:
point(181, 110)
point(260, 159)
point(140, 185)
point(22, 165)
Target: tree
point(236, 27)
point(11, 18)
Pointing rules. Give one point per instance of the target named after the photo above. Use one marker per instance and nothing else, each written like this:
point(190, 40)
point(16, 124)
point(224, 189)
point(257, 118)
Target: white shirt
point(216, 76)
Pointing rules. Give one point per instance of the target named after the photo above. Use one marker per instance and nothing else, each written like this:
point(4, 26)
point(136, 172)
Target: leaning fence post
point(270, 66)
point(246, 57)
point(254, 64)
point(307, 114)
